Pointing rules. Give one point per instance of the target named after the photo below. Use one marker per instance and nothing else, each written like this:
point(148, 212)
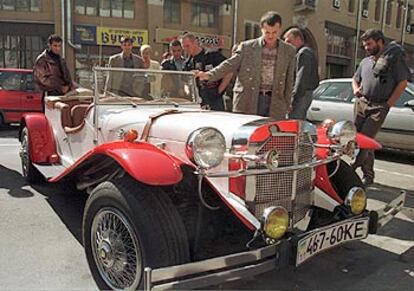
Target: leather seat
point(71, 117)
point(81, 110)
point(77, 114)
point(66, 118)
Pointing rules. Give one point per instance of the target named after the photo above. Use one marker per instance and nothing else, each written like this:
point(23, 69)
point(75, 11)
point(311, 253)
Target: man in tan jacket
point(265, 70)
point(122, 83)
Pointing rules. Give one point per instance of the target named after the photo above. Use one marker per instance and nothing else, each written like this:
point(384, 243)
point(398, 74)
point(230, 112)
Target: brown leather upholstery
point(66, 118)
point(82, 124)
point(78, 114)
point(66, 106)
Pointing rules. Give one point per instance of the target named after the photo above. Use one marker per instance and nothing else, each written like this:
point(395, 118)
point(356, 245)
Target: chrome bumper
point(212, 271)
point(389, 211)
point(236, 266)
point(255, 172)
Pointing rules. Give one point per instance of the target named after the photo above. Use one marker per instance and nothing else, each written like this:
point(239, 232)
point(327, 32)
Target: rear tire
point(29, 172)
point(127, 227)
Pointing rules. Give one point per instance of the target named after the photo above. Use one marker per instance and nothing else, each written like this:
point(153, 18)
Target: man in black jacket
point(176, 61)
point(307, 78)
point(199, 59)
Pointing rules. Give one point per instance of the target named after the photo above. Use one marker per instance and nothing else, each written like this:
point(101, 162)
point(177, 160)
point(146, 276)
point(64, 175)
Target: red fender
point(41, 139)
point(366, 142)
point(142, 161)
point(322, 180)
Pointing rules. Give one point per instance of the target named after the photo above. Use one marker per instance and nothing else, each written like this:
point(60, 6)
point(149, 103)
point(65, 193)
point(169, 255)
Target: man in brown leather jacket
point(50, 71)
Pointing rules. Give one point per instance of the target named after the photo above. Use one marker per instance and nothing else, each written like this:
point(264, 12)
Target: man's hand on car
point(203, 76)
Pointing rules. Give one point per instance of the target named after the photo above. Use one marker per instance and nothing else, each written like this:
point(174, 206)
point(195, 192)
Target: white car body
point(136, 155)
point(334, 99)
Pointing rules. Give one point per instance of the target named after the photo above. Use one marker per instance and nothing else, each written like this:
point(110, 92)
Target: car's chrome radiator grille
point(276, 189)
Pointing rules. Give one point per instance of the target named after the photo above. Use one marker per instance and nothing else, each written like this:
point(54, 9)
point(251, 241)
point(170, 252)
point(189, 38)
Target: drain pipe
point(70, 26)
point(63, 27)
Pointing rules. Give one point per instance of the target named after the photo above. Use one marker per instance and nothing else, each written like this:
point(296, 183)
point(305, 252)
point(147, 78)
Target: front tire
point(342, 181)
point(127, 227)
point(29, 172)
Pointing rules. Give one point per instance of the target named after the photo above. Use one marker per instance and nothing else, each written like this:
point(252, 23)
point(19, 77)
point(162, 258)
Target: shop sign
point(112, 36)
point(85, 34)
point(206, 40)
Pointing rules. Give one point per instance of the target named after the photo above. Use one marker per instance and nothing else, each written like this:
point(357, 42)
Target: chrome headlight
point(356, 200)
point(206, 147)
point(275, 221)
point(342, 133)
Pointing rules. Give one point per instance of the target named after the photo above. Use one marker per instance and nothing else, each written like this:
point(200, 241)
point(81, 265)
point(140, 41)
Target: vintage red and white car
point(182, 197)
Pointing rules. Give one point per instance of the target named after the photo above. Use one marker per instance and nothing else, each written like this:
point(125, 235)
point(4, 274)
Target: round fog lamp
point(275, 221)
point(356, 200)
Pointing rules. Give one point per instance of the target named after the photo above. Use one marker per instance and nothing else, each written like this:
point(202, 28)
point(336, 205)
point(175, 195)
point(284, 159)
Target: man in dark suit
point(120, 82)
point(176, 61)
point(307, 78)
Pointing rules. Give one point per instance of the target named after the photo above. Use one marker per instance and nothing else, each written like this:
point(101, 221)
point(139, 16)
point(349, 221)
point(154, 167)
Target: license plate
point(329, 237)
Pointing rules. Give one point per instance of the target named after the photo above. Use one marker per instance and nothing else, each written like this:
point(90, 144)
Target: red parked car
point(17, 94)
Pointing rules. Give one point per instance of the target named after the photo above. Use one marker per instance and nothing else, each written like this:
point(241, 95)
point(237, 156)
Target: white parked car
point(334, 98)
point(181, 197)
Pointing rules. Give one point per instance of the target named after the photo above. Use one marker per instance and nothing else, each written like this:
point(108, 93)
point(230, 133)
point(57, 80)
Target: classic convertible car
point(182, 197)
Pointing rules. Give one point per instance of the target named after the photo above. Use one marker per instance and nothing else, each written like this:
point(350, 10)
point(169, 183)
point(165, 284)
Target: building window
point(106, 8)
point(351, 6)
point(338, 44)
point(19, 51)
point(365, 8)
point(172, 11)
point(377, 15)
point(389, 12)
point(20, 5)
point(398, 18)
point(204, 15)
point(410, 8)
point(251, 30)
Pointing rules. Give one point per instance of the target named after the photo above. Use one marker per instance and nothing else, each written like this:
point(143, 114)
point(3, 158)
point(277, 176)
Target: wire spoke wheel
point(116, 250)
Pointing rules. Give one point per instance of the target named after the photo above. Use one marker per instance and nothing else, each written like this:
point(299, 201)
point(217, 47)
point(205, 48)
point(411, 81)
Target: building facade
point(92, 28)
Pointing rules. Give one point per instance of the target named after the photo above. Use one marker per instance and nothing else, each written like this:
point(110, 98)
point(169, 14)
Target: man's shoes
point(367, 181)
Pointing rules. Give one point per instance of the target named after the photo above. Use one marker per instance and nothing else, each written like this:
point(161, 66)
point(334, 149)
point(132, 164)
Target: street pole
point(235, 5)
point(358, 29)
point(404, 27)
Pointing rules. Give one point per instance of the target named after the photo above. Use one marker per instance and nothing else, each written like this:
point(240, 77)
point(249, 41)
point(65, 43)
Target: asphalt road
point(41, 248)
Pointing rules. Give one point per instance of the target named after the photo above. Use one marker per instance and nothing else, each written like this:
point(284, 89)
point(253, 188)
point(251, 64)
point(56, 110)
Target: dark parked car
point(17, 94)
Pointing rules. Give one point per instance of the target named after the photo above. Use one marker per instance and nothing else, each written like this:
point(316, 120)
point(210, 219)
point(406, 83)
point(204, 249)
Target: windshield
point(410, 86)
point(136, 86)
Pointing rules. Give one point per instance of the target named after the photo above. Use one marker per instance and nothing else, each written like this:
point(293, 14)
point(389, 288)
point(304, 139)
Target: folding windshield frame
point(96, 70)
